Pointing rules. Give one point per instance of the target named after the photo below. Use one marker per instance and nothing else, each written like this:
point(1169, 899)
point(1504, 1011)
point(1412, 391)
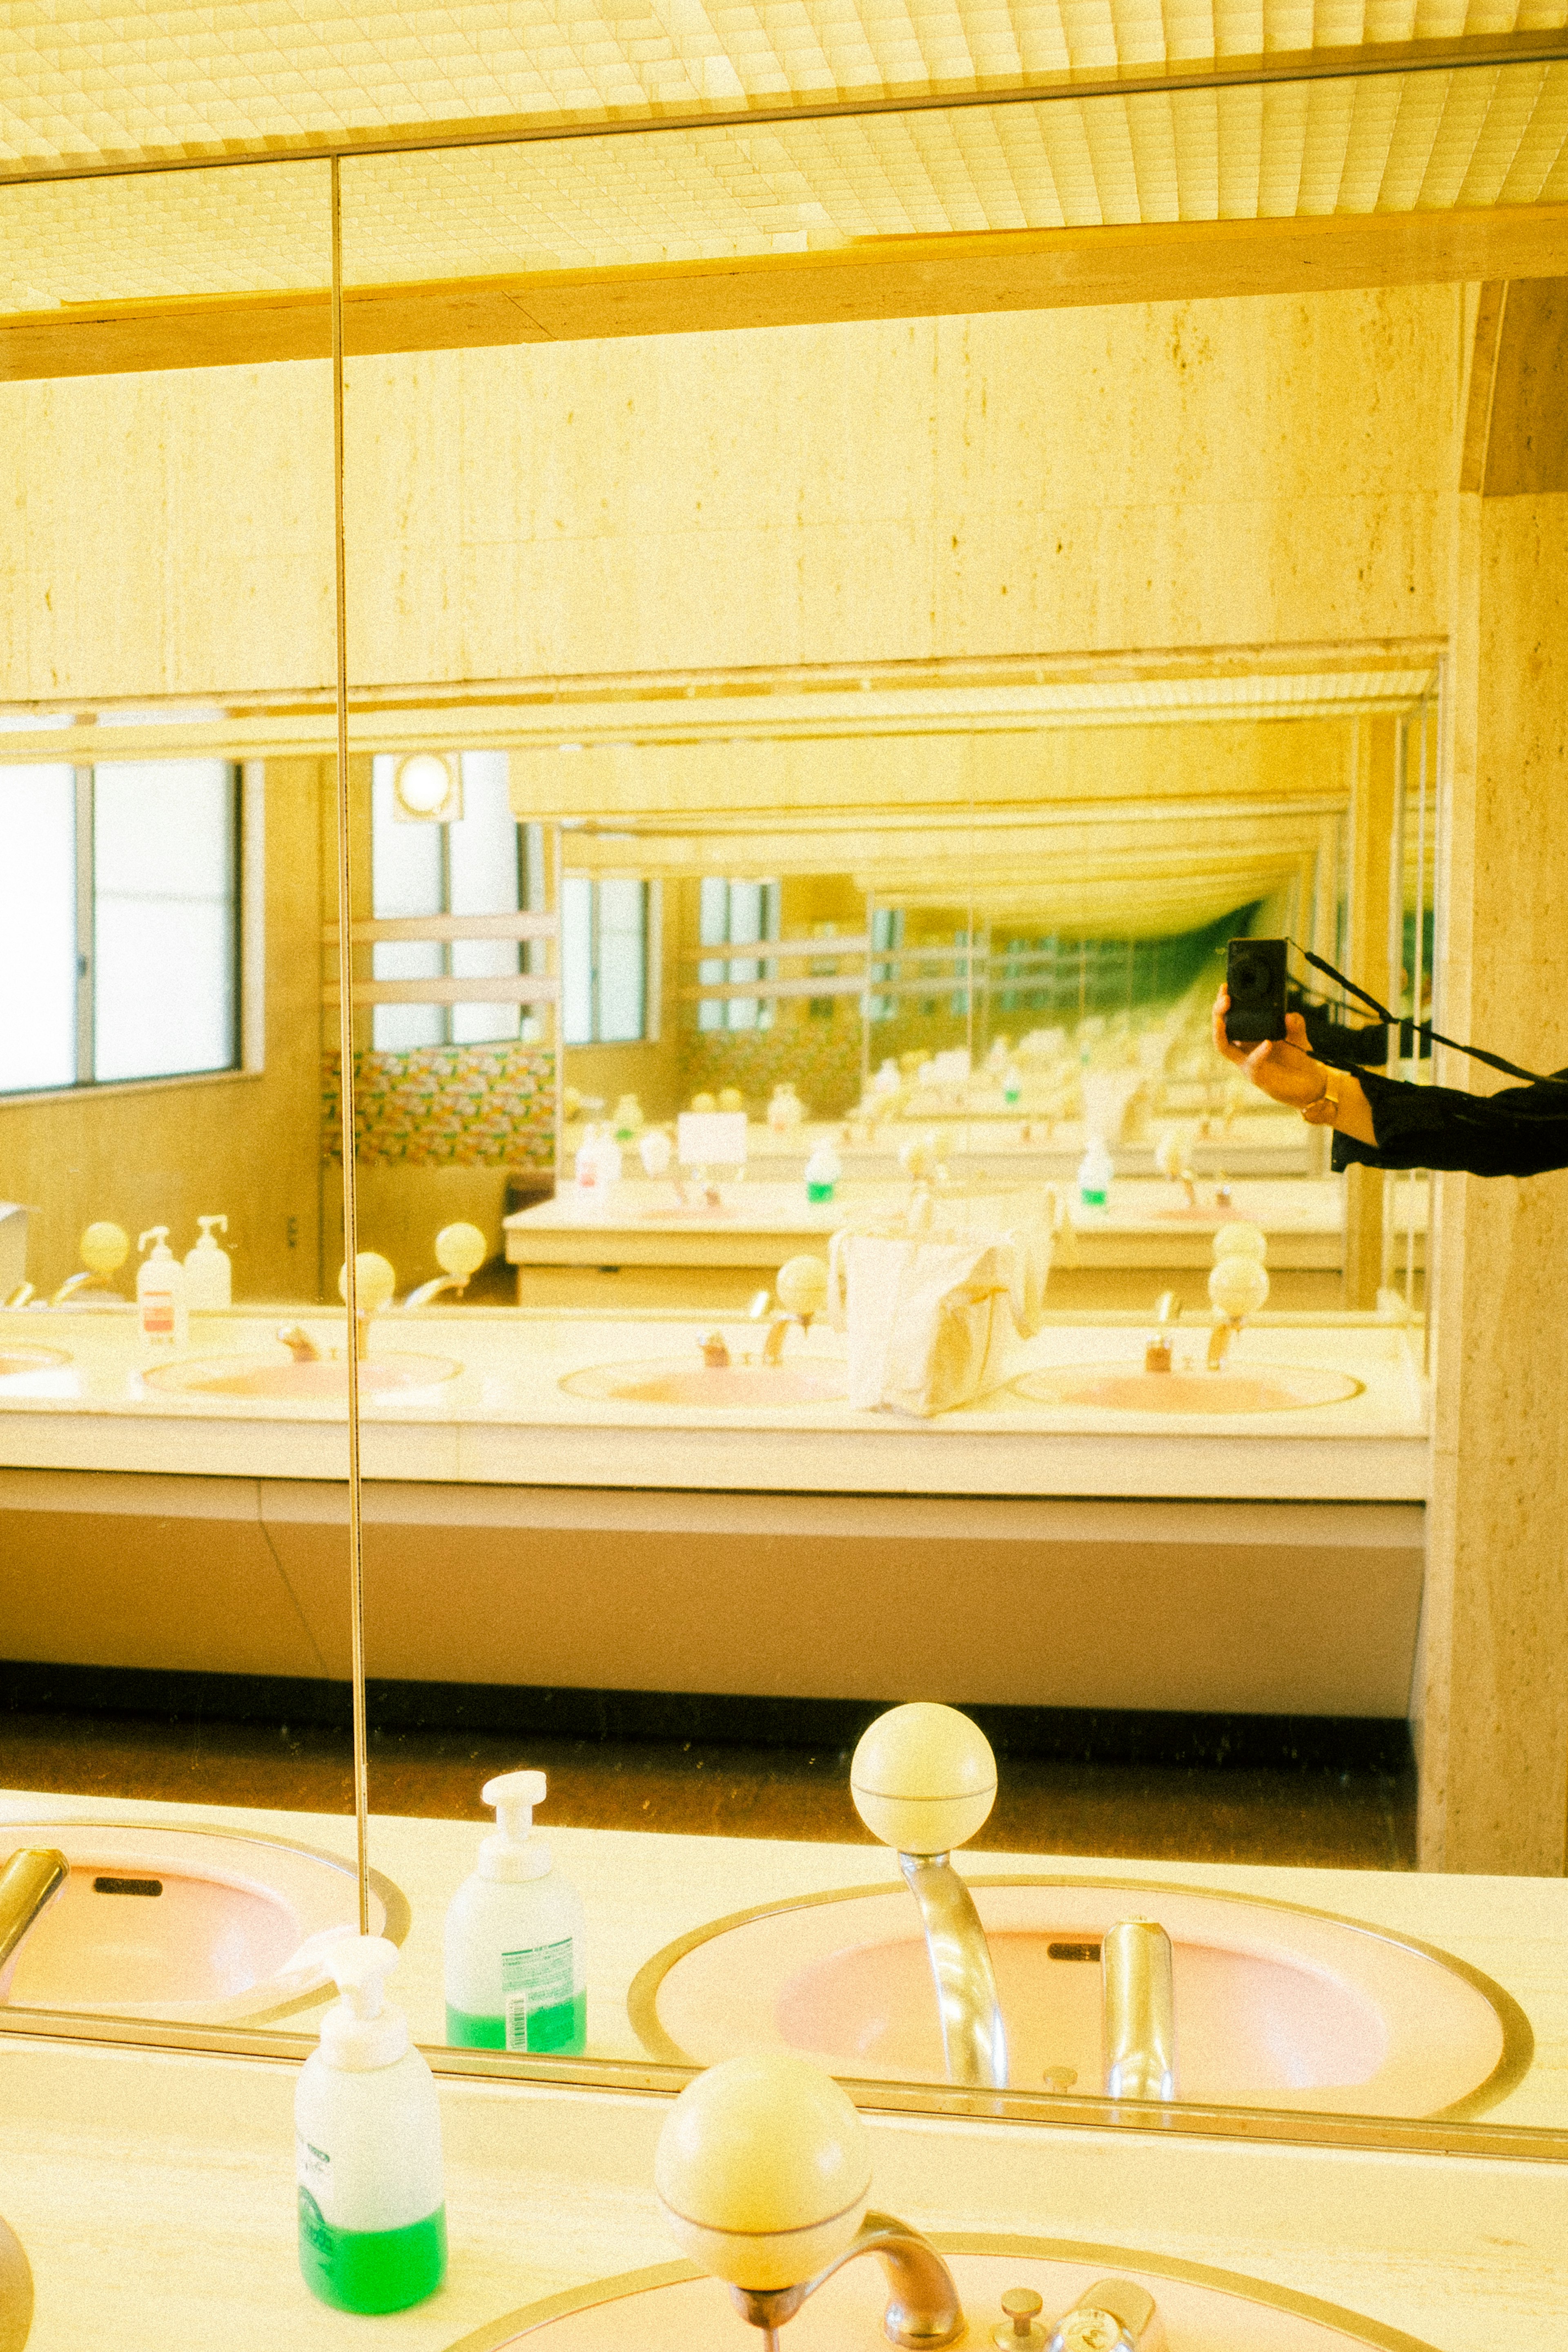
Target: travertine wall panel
point(1493, 1701)
point(167, 534)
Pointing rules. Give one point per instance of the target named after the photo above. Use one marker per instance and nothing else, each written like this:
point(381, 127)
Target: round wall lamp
point(428, 788)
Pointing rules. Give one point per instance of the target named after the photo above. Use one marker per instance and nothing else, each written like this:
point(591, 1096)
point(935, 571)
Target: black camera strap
point(1424, 1028)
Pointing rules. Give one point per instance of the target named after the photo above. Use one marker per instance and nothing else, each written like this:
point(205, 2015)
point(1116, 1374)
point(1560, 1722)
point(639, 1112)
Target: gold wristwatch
point(1326, 1109)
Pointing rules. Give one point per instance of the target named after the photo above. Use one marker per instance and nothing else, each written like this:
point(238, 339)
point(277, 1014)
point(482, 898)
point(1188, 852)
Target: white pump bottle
point(161, 1309)
point(516, 1938)
point(208, 1275)
point(367, 2135)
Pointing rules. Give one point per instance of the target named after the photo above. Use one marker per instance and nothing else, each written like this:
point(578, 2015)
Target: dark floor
point(1354, 1815)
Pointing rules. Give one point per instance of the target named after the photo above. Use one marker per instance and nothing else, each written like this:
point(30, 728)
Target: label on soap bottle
point(157, 1314)
point(542, 2009)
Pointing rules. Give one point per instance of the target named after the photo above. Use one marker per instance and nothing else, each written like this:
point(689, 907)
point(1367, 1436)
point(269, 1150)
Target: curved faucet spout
point(973, 2040)
point(1139, 2011)
point(923, 2309)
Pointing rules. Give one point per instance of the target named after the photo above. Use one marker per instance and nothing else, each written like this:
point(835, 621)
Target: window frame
point(245, 943)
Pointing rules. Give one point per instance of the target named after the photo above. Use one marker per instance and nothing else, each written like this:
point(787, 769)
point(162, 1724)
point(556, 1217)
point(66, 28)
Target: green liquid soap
point(819, 1191)
point(561, 2026)
point(370, 2270)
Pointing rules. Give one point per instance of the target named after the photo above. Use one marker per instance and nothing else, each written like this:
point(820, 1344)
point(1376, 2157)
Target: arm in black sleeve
point(1522, 1131)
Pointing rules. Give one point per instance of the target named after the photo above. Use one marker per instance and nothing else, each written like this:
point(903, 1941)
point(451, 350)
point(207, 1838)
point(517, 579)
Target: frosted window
point(482, 854)
point(407, 877)
point(738, 914)
point(604, 960)
point(165, 949)
point(576, 960)
point(622, 973)
point(37, 927)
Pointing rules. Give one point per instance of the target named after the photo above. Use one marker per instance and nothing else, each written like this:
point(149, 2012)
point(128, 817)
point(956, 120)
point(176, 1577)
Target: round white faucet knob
point(763, 2168)
point(1240, 1240)
point(105, 1247)
point(1239, 1286)
point(376, 1279)
point(801, 1285)
point(461, 1249)
point(923, 1778)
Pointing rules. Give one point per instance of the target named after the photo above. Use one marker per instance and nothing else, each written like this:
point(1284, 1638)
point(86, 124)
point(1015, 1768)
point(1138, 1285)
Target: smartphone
point(1254, 977)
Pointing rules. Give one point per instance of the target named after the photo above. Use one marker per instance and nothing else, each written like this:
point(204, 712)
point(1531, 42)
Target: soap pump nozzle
point(512, 1852)
point(159, 1233)
point(361, 2031)
point(206, 1225)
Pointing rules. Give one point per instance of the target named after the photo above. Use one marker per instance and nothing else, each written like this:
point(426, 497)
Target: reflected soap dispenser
point(161, 1307)
point(367, 2137)
point(209, 1277)
point(516, 1938)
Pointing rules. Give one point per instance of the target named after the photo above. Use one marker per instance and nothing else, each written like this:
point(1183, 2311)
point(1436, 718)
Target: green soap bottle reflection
point(515, 1937)
point(367, 2129)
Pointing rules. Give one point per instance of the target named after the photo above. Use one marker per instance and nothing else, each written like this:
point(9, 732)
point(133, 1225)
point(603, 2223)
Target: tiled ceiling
point(80, 82)
point(1395, 144)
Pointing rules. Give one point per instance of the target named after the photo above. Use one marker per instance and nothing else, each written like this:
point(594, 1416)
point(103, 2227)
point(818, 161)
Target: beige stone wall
point(1269, 470)
point(1492, 1697)
point(1275, 470)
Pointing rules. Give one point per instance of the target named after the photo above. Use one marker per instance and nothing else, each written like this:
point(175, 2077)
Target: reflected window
point(736, 914)
point(481, 863)
point(604, 934)
point(120, 894)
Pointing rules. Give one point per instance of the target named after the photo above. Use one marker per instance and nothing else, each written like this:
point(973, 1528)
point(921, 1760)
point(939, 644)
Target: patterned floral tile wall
point(820, 1058)
point(448, 1105)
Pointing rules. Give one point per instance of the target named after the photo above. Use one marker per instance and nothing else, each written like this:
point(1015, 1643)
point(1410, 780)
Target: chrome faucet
point(923, 2308)
point(1139, 2012)
point(298, 1342)
point(1167, 1315)
point(20, 1296)
point(434, 1288)
point(29, 1883)
point(75, 1283)
point(923, 1777)
point(974, 2038)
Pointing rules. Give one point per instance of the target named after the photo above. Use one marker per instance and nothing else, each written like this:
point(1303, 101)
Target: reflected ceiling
point(86, 83)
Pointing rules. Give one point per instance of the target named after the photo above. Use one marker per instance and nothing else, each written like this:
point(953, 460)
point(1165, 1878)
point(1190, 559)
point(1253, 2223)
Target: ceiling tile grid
point(83, 81)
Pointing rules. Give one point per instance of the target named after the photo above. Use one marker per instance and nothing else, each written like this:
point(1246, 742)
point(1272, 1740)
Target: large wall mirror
point(176, 1635)
point(792, 844)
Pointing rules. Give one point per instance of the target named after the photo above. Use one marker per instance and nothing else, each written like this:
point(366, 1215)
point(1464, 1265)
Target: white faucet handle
point(461, 1249)
point(763, 2168)
point(374, 1277)
point(923, 1778)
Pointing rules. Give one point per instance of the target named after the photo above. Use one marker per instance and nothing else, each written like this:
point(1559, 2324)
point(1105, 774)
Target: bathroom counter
point(505, 1418)
point(154, 2194)
point(642, 1890)
point(759, 1222)
point(1008, 1142)
point(153, 2191)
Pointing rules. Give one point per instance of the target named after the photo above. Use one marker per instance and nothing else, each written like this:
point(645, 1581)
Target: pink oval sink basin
point(1275, 2005)
point(674, 2308)
point(181, 1925)
point(17, 1362)
point(811, 1379)
point(1124, 1388)
point(241, 1376)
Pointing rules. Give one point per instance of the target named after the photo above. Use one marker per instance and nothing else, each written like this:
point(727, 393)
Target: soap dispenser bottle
point(209, 1279)
point(161, 1308)
point(367, 2135)
point(516, 1941)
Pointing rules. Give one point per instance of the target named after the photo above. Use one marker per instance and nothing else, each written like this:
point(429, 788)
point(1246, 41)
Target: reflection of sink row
point(1273, 2005)
point(186, 1926)
point(1123, 1388)
point(675, 2308)
point(326, 1380)
point(805, 1379)
point(1105, 1388)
